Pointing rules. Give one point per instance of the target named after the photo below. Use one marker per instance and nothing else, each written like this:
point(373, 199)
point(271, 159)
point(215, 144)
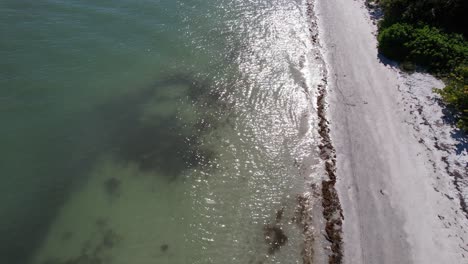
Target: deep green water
point(153, 131)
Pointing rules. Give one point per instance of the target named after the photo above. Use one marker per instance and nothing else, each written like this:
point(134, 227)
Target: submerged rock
point(164, 247)
point(110, 239)
point(112, 186)
point(279, 214)
point(274, 237)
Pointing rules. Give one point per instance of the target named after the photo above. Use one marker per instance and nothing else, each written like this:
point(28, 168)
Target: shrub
point(436, 50)
point(448, 15)
point(455, 94)
point(393, 41)
point(425, 46)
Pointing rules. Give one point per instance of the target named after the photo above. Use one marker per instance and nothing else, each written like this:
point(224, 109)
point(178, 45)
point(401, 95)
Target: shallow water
point(154, 131)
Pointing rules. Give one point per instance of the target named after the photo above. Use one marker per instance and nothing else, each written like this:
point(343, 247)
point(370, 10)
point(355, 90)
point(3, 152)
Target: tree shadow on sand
point(457, 134)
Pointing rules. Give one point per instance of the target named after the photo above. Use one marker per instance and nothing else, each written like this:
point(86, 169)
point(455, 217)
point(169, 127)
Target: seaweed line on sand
point(332, 211)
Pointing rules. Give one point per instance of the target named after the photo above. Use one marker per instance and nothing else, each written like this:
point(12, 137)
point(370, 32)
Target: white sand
point(400, 204)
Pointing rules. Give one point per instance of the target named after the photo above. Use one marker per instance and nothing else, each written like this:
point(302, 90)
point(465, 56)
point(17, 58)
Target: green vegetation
point(426, 46)
point(455, 94)
point(430, 34)
point(447, 15)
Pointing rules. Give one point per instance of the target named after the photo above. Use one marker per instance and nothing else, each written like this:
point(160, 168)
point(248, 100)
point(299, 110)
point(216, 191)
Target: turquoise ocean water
point(154, 131)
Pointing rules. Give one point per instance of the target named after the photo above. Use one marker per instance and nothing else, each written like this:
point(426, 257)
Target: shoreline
point(331, 233)
point(396, 192)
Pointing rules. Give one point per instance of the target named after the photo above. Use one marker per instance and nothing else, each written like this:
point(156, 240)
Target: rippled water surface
point(154, 131)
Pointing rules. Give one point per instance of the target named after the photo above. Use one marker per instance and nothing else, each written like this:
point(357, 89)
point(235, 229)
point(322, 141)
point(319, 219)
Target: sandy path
point(392, 211)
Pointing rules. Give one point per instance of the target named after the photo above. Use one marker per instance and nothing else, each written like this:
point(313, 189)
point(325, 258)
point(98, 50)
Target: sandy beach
point(401, 167)
point(220, 131)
